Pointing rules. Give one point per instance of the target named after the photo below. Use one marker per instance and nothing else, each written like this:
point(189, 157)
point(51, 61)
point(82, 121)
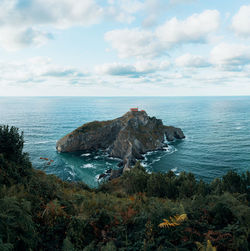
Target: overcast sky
point(124, 47)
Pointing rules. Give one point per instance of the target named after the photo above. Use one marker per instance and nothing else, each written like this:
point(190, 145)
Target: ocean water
point(217, 133)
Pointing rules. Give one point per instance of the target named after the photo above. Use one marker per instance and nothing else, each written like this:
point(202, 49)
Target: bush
point(135, 180)
point(11, 144)
point(187, 185)
point(234, 183)
point(157, 185)
point(17, 228)
point(14, 164)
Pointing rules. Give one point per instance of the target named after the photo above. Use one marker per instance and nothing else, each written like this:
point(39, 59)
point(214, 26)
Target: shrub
point(11, 143)
point(135, 180)
point(157, 185)
point(234, 183)
point(14, 164)
point(17, 228)
point(186, 185)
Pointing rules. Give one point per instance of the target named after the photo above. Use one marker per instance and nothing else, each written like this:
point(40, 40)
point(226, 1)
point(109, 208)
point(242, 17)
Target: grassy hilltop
point(138, 211)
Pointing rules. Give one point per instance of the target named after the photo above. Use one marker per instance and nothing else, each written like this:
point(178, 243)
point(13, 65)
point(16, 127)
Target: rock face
point(127, 137)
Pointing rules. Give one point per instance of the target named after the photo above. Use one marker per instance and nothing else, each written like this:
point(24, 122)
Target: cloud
point(224, 56)
point(59, 13)
point(118, 69)
point(41, 76)
point(230, 56)
point(241, 21)
point(137, 69)
point(12, 39)
point(63, 72)
point(39, 70)
point(134, 43)
point(123, 10)
point(142, 43)
point(195, 28)
point(150, 66)
point(24, 23)
point(189, 60)
point(153, 11)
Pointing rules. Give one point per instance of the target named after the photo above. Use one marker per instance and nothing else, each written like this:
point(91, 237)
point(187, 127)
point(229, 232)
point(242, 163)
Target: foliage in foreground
point(41, 212)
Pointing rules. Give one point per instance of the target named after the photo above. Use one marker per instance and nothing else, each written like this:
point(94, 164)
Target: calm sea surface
point(217, 132)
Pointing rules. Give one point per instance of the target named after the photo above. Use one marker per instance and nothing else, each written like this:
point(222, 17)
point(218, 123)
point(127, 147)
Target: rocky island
point(127, 137)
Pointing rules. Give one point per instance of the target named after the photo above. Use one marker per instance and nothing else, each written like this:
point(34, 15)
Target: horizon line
point(90, 96)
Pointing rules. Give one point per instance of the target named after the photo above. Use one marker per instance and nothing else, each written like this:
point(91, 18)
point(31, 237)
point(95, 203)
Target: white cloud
point(134, 42)
point(118, 69)
point(38, 69)
point(137, 69)
point(156, 9)
point(23, 23)
point(14, 39)
point(123, 10)
point(153, 10)
point(241, 21)
point(195, 28)
point(59, 13)
point(41, 76)
point(142, 43)
point(189, 60)
point(31, 19)
point(149, 66)
point(230, 56)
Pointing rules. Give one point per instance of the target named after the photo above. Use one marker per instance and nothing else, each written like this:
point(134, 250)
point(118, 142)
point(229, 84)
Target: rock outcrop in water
point(126, 138)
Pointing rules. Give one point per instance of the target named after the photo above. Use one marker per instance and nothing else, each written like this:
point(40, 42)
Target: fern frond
point(174, 221)
point(180, 218)
point(165, 223)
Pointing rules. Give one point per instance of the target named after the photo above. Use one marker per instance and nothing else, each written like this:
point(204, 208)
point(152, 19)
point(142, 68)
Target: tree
point(11, 143)
point(14, 164)
point(135, 180)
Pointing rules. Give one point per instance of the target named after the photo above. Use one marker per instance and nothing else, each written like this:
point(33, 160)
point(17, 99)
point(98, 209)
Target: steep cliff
point(127, 137)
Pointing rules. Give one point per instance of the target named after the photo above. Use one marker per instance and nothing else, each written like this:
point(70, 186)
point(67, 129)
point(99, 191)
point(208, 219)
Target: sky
point(124, 47)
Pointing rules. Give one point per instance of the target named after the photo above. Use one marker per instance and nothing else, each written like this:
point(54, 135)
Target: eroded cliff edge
point(127, 137)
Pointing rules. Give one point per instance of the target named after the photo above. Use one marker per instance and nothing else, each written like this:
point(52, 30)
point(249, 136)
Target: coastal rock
point(126, 138)
point(173, 133)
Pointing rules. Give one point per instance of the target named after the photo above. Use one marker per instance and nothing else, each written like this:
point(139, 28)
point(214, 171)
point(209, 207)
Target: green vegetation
point(138, 211)
point(92, 126)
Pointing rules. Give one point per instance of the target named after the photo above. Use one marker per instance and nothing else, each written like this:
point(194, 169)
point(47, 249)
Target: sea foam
point(85, 154)
point(89, 165)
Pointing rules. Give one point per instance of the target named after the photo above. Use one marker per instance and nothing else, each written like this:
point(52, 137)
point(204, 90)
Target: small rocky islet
point(127, 138)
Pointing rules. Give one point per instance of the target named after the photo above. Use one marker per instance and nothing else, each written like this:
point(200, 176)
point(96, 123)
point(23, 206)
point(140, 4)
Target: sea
point(217, 133)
